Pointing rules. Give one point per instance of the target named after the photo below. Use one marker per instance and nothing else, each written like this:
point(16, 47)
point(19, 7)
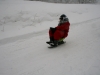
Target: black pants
point(53, 31)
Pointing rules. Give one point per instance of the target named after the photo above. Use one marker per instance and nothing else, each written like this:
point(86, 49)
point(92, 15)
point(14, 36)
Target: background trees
point(69, 1)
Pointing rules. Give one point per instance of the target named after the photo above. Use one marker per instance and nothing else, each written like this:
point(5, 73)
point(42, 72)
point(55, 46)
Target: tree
point(69, 1)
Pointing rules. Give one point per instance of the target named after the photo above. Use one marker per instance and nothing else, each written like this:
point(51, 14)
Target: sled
point(59, 43)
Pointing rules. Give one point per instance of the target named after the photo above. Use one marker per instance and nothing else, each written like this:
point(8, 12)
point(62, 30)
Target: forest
point(70, 1)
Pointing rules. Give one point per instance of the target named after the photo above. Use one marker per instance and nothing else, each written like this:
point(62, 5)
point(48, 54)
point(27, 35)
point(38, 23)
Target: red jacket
point(61, 31)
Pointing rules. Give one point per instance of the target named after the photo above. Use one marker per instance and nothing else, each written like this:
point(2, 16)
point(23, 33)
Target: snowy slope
point(23, 17)
point(23, 51)
point(79, 56)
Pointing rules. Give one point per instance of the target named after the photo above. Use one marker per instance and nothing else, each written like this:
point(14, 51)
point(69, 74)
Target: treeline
point(69, 1)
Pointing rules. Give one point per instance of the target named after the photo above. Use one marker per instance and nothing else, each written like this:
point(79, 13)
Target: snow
point(24, 29)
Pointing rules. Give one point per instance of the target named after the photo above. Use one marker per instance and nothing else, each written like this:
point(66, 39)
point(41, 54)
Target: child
point(60, 32)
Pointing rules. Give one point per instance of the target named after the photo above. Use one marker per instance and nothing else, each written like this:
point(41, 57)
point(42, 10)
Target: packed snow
point(24, 29)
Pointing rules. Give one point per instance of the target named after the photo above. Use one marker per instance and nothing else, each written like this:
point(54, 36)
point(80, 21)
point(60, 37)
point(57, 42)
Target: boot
point(51, 40)
point(55, 43)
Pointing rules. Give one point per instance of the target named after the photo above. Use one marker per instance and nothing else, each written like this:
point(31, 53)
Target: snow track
point(21, 37)
point(30, 35)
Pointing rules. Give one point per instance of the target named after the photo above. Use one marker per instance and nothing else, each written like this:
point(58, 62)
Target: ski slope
point(23, 50)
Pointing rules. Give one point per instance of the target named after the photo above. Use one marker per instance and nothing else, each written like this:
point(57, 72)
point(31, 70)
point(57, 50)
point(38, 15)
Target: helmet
point(63, 18)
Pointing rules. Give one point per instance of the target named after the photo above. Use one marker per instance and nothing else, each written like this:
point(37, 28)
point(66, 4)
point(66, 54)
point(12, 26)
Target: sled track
point(30, 35)
point(85, 22)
